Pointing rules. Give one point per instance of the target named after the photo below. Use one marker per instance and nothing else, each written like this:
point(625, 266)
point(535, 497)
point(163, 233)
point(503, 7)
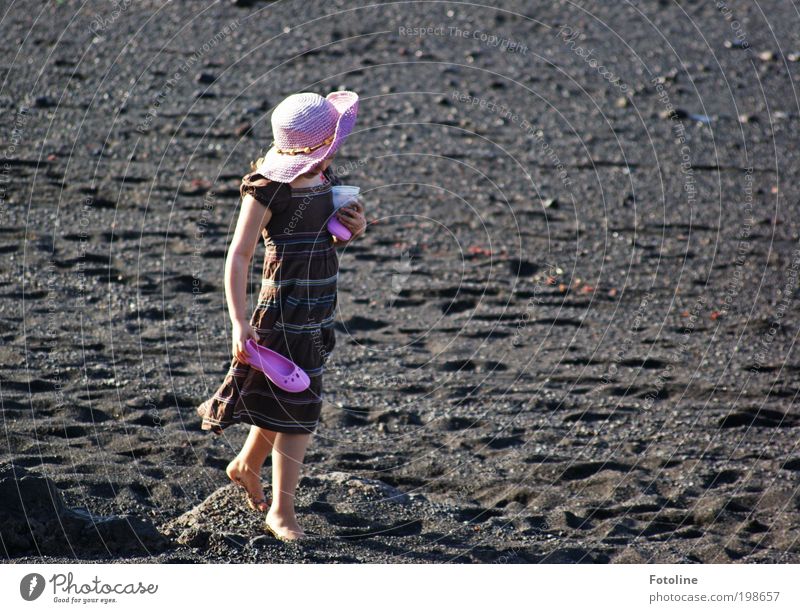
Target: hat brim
point(284, 168)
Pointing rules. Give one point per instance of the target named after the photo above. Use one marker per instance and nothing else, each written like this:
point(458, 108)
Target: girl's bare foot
point(240, 473)
point(284, 525)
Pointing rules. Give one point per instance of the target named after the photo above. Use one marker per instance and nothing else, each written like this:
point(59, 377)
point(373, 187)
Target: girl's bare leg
point(248, 463)
point(287, 458)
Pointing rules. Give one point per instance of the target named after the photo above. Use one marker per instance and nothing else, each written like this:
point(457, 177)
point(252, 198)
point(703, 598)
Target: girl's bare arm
point(252, 217)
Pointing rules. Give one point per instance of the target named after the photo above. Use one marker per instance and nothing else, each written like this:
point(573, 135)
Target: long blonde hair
point(257, 163)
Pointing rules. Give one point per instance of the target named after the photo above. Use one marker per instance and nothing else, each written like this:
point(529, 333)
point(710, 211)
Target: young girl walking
point(287, 200)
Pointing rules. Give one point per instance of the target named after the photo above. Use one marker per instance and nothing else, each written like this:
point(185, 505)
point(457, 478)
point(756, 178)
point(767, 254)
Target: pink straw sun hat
point(306, 129)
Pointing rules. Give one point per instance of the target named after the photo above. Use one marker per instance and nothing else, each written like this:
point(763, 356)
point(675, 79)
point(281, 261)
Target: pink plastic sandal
point(280, 370)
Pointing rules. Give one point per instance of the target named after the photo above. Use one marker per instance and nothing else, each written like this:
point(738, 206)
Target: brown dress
point(294, 314)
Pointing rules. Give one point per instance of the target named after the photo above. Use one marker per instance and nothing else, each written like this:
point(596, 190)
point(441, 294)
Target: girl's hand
point(352, 217)
point(242, 330)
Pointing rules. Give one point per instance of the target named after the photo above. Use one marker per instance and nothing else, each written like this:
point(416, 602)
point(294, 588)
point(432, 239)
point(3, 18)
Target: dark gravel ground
point(568, 334)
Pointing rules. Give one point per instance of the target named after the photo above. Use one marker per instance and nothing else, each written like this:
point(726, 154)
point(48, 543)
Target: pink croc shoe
point(280, 370)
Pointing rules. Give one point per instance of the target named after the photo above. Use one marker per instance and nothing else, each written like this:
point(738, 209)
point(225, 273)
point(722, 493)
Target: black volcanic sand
point(568, 334)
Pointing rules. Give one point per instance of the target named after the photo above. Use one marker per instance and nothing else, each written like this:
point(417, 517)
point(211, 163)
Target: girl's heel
point(279, 537)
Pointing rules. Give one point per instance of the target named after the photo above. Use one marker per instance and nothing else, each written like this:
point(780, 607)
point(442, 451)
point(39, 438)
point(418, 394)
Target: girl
point(287, 199)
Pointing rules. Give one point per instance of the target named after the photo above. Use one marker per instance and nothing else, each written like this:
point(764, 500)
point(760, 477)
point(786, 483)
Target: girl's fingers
point(357, 217)
point(240, 352)
point(354, 206)
point(352, 220)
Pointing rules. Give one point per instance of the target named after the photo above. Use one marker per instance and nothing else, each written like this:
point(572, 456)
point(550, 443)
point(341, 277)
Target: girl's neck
point(317, 179)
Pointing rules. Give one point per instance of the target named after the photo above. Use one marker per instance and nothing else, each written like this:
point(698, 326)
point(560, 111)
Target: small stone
point(747, 118)
point(735, 44)
point(244, 129)
point(793, 57)
point(767, 56)
point(44, 101)
point(205, 77)
point(522, 268)
point(674, 114)
point(621, 102)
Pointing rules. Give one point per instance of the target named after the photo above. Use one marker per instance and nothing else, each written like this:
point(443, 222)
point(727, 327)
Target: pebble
point(44, 101)
point(205, 77)
point(674, 114)
point(735, 44)
point(244, 129)
point(522, 268)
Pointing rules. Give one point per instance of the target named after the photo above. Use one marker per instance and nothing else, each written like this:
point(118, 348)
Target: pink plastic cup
point(342, 195)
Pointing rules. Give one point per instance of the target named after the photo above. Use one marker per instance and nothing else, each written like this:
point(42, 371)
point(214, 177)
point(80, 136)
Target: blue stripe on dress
point(273, 255)
point(301, 328)
point(284, 328)
point(238, 372)
point(299, 281)
point(322, 238)
point(274, 303)
point(297, 234)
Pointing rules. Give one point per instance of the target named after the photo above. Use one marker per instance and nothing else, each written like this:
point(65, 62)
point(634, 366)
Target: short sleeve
point(272, 194)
